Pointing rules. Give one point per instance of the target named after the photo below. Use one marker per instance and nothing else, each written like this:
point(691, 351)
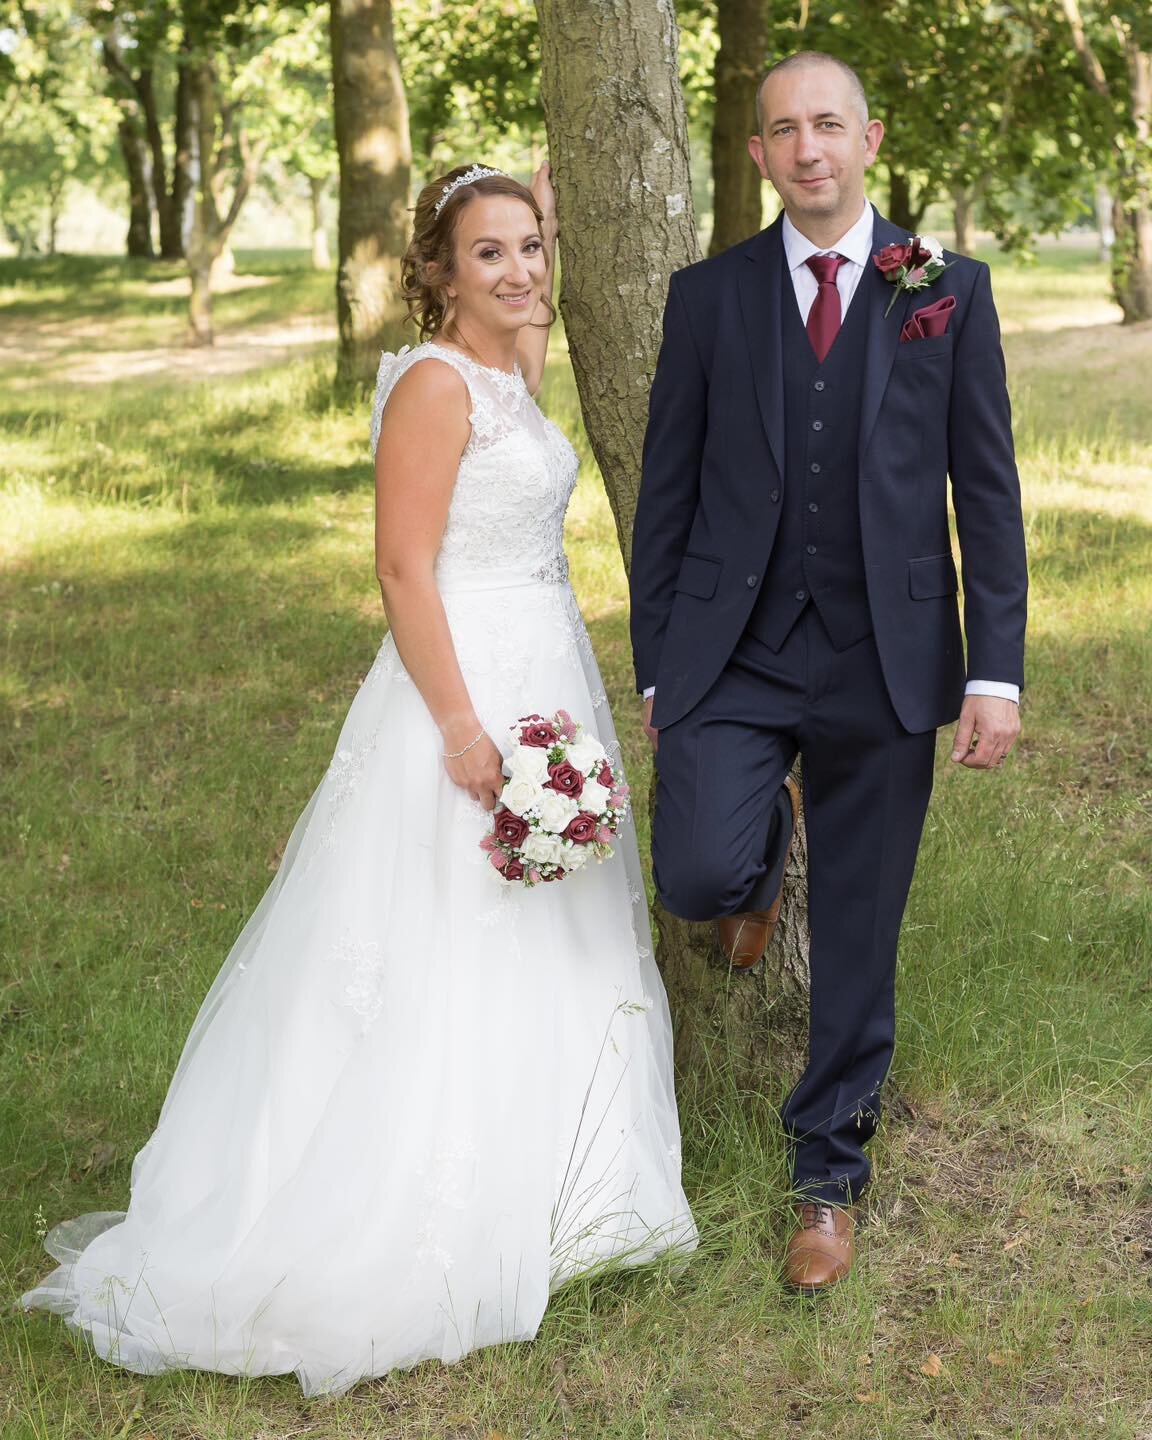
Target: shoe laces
point(812, 1213)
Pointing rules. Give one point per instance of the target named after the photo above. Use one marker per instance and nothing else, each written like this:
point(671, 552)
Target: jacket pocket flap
point(698, 576)
point(932, 575)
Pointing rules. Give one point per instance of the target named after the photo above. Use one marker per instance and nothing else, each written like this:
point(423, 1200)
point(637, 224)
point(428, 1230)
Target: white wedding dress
point(416, 1097)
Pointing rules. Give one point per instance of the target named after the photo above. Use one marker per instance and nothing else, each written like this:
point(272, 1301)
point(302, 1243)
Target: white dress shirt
point(856, 247)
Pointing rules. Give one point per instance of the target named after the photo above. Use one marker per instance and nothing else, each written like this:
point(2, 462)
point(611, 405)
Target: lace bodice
point(516, 475)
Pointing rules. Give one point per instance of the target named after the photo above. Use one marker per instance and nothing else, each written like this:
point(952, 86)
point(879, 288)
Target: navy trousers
point(719, 831)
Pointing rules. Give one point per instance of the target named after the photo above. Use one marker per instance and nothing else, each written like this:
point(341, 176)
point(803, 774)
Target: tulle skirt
point(416, 1098)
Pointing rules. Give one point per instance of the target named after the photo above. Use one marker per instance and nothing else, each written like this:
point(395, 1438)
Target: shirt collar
point(855, 244)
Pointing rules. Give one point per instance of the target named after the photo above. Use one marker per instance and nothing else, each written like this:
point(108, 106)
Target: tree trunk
point(1132, 251)
point(619, 147)
point(375, 155)
point(321, 260)
point(902, 209)
point(962, 220)
point(136, 166)
point(171, 242)
point(207, 249)
point(182, 197)
point(1105, 230)
point(737, 209)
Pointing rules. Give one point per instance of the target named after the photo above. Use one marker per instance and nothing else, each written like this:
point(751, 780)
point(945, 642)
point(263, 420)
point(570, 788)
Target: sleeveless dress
point(416, 1097)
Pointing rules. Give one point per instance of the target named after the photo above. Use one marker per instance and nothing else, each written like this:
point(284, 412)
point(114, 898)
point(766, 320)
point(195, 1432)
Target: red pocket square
point(929, 322)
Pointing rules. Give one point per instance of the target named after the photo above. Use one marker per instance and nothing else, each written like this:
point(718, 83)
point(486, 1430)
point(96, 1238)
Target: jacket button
point(774, 496)
point(801, 594)
point(752, 580)
point(817, 424)
point(815, 467)
point(819, 385)
point(811, 549)
point(813, 507)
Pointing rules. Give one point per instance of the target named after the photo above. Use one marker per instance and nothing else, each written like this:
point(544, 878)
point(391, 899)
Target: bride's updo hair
point(429, 263)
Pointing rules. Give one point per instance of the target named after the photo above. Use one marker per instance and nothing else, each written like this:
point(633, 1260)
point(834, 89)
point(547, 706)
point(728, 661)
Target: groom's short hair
point(812, 57)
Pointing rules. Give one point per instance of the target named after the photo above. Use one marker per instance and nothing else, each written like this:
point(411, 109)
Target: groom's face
point(814, 145)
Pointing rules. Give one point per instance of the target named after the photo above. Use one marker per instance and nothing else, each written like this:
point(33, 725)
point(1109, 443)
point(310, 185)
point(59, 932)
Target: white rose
point(933, 246)
point(556, 810)
point(520, 794)
point(543, 849)
point(594, 799)
point(586, 753)
point(577, 856)
point(529, 762)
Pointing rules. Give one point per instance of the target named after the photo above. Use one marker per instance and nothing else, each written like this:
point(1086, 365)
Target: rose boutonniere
point(913, 266)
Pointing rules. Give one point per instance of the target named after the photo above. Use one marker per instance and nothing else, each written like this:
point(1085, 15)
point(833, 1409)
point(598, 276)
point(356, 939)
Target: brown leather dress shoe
point(820, 1251)
point(745, 937)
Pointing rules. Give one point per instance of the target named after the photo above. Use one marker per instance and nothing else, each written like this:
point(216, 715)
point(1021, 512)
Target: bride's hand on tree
point(545, 196)
point(479, 770)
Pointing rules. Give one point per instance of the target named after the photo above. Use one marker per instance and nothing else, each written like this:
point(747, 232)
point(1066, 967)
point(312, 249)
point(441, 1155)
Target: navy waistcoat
point(817, 556)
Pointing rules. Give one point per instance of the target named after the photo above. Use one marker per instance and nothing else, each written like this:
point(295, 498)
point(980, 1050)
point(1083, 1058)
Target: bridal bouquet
point(562, 803)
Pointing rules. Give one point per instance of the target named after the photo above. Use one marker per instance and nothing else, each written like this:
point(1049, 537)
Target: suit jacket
point(713, 454)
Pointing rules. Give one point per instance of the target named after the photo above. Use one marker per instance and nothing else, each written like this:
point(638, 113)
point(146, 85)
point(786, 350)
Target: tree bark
point(962, 220)
point(375, 154)
point(133, 149)
point(207, 247)
point(619, 147)
point(737, 208)
point(321, 259)
point(902, 209)
point(1132, 203)
point(182, 196)
point(136, 166)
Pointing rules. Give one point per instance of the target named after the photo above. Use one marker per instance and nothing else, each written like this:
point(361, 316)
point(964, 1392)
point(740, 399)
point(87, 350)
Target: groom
point(794, 592)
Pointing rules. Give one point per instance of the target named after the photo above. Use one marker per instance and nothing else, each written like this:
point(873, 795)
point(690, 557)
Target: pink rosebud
point(566, 725)
point(489, 842)
point(534, 876)
point(604, 835)
point(499, 859)
point(915, 276)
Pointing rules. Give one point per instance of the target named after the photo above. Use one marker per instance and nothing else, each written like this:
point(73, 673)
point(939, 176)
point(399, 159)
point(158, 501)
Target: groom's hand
point(653, 735)
point(986, 732)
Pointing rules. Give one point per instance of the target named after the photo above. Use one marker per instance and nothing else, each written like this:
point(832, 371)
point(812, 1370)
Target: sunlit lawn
point(188, 603)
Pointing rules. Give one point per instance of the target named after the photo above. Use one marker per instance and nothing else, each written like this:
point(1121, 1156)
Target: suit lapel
point(760, 281)
point(883, 333)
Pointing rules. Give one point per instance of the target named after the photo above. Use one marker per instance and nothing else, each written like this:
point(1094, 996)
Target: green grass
point(188, 604)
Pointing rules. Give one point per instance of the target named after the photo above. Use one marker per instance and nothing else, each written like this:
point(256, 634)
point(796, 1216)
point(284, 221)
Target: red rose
point(891, 258)
point(511, 829)
point(539, 734)
point(566, 779)
point(605, 777)
point(581, 828)
point(514, 870)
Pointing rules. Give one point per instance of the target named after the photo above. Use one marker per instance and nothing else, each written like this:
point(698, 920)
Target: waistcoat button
point(817, 424)
point(774, 496)
point(813, 506)
point(752, 580)
point(811, 549)
point(819, 385)
point(801, 594)
point(815, 467)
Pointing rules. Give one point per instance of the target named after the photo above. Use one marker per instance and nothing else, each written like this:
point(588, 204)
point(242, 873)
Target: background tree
point(745, 32)
point(375, 159)
point(618, 141)
point(1114, 47)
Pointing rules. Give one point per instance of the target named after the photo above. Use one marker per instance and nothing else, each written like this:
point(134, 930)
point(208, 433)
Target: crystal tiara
point(477, 172)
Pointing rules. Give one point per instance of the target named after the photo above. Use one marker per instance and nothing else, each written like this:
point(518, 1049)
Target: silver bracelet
point(455, 755)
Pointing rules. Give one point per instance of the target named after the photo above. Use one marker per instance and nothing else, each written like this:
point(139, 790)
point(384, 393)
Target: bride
point(417, 1097)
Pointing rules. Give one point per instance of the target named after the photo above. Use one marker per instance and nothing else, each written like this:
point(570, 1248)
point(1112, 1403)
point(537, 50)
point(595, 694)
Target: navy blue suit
point(793, 591)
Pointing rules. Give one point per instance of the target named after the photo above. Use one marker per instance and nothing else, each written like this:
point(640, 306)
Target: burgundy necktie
point(824, 317)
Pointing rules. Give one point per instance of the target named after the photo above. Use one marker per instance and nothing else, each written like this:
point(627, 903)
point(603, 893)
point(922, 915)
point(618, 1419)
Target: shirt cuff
point(1002, 689)
point(651, 690)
